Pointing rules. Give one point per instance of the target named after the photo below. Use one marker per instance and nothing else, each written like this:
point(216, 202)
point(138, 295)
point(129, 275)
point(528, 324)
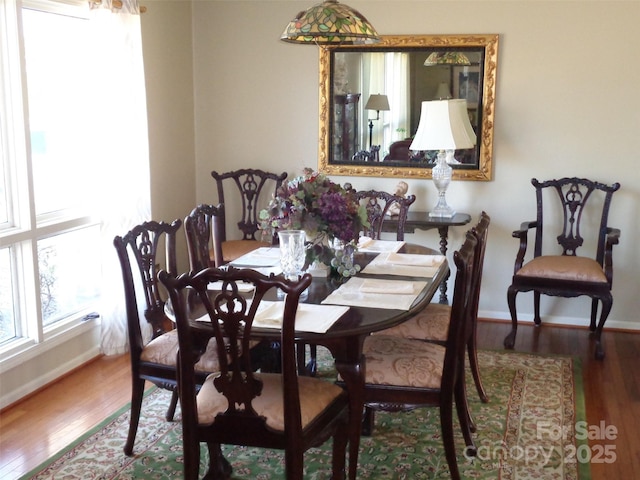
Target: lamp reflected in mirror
point(377, 102)
point(444, 126)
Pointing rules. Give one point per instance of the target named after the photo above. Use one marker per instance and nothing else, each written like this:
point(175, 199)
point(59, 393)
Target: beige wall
point(168, 60)
point(566, 105)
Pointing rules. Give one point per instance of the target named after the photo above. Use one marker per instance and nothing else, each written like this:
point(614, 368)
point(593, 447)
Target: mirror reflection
point(373, 98)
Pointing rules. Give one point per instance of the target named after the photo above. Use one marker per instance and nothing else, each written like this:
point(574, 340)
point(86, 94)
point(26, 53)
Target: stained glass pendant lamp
point(330, 23)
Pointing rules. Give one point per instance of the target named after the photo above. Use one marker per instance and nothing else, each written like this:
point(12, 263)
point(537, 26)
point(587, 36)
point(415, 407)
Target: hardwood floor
point(36, 428)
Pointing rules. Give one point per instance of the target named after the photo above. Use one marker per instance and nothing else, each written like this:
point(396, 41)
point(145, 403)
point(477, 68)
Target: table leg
point(353, 376)
point(444, 235)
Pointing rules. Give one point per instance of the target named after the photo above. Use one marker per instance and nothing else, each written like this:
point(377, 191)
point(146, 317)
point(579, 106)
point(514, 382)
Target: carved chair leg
point(464, 413)
point(472, 350)
point(368, 419)
point(339, 462)
point(594, 313)
point(219, 467)
point(171, 411)
point(607, 302)
point(510, 339)
point(446, 424)
point(536, 308)
point(137, 392)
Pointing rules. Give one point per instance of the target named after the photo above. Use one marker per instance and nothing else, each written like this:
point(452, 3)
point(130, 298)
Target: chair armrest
point(612, 238)
point(522, 234)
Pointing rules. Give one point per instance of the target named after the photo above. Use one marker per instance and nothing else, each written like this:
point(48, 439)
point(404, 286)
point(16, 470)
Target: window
point(48, 232)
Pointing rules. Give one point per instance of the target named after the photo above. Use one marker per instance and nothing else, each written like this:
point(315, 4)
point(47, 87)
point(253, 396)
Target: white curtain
point(373, 82)
point(121, 149)
point(397, 80)
point(387, 74)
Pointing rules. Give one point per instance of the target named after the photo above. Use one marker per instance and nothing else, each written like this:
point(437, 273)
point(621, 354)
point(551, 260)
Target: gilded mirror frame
point(484, 170)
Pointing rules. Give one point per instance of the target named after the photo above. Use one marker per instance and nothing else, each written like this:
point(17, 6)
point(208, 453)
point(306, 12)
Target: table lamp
point(444, 126)
point(376, 102)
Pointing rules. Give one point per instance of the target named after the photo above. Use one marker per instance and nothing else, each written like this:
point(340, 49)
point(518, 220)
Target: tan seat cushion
point(315, 395)
point(163, 350)
point(233, 249)
point(403, 362)
point(564, 267)
point(430, 324)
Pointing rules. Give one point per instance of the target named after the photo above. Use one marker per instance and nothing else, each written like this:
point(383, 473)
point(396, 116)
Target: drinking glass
point(292, 252)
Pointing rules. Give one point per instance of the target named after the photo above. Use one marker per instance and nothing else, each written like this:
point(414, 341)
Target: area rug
point(526, 431)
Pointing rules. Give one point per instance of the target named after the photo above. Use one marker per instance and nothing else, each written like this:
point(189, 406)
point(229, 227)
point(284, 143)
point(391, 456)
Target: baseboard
point(612, 324)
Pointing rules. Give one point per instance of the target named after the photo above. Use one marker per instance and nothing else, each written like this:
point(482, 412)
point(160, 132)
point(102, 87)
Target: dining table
point(365, 313)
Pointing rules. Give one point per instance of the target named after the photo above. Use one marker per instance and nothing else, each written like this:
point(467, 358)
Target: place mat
point(260, 257)
point(405, 264)
point(376, 293)
point(309, 317)
point(368, 245)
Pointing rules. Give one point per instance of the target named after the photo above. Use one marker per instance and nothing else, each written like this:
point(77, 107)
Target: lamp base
point(442, 213)
point(441, 174)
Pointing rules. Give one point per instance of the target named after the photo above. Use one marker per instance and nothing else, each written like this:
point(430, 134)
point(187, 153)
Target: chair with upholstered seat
point(404, 374)
point(583, 205)
point(236, 406)
point(378, 203)
point(253, 189)
point(432, 324)
point(153, 360)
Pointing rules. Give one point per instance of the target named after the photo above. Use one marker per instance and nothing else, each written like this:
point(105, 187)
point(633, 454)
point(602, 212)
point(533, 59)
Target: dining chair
point(378, 203)
point(237, 406)
point(583, 206)
point(202, 229)
point(404, 374)
point(432, 324)
point(247, 189)
point(153, 360)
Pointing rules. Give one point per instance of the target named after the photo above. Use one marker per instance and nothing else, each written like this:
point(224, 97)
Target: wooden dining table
point(345, 338)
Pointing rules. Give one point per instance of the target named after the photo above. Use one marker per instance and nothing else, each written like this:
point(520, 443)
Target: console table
point(422, 221)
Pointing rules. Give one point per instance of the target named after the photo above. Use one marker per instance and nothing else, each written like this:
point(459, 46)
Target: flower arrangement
point(326, 211)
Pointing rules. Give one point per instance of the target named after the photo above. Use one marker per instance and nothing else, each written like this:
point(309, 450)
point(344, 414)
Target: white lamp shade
point(444, 125)
point(377, 102)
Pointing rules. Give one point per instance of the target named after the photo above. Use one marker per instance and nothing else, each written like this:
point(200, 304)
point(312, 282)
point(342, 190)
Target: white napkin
point(261, 257)
point(351, 293)
point(369, 245)
point(404, 264)
point(309, 317)
point(374, 285)
point(412, 259)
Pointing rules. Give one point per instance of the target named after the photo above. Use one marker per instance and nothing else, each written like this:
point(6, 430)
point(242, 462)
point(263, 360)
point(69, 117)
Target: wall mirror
point(371, 96)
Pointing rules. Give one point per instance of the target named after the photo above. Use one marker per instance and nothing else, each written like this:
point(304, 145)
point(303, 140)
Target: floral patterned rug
point(526, 431)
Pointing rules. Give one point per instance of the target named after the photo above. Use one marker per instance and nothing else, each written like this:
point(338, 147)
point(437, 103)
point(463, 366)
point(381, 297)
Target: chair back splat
point(249, 185)
point(566, 274)
point(378, 204)
point(202, 228)
point(238, 405)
